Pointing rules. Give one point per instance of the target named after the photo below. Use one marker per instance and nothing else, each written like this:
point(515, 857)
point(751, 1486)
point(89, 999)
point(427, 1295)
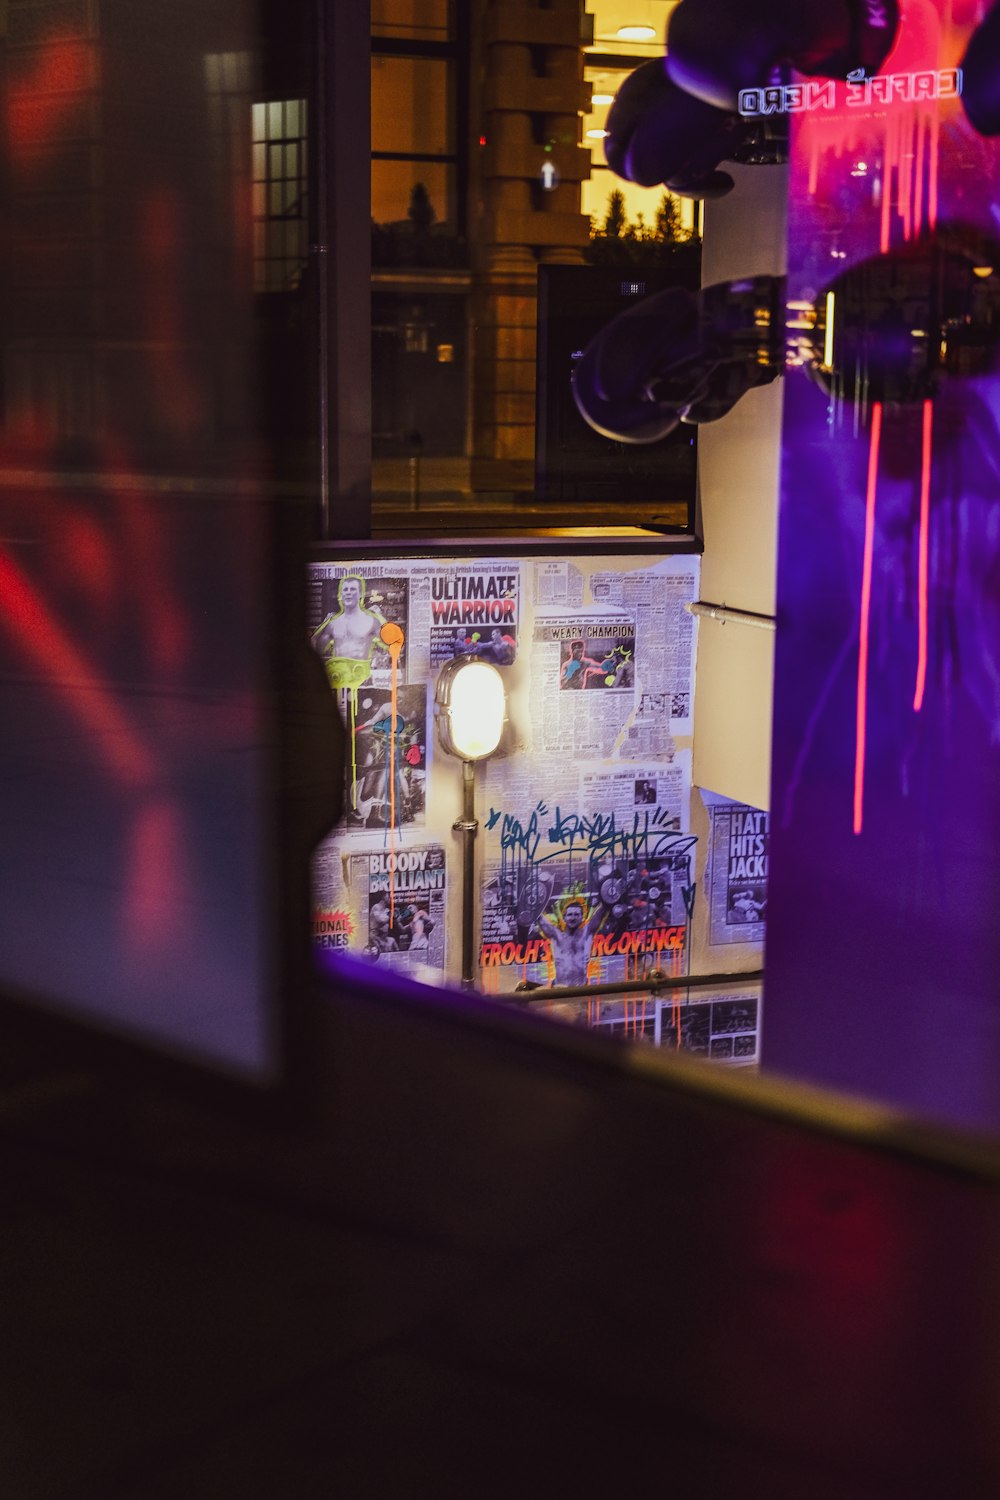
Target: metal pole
point(655, 980)
point(723, 613)
point(467, 825)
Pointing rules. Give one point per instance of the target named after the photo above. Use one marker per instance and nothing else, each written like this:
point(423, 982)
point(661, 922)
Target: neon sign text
point(884, 88)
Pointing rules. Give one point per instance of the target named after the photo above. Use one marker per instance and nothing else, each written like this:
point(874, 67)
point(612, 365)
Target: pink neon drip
point(866, 600)
point(906, 176)
point(922, 557)
point(932, 187)
point(889, 163)
point(919, 152)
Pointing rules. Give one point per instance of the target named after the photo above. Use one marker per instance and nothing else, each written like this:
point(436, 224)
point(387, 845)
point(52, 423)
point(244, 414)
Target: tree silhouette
point(421, 210)
point(615, 219)
point(618, 242)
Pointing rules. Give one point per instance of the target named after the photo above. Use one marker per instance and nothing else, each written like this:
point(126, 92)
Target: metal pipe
point(656, 979)
point(724, 614)
point(467, 825)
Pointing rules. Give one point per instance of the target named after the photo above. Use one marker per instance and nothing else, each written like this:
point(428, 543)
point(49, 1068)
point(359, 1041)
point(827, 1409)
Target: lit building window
point(280, 209)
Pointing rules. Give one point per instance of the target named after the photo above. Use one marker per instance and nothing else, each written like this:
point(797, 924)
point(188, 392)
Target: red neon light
point(922, 556)
point(866, 600)
point(66, 667)
point(40, 101)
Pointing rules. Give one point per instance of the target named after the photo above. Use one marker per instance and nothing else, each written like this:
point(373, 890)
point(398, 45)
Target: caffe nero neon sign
point(862, 92)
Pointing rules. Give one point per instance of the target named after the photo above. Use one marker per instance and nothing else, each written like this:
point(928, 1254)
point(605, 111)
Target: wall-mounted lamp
point(470, 703)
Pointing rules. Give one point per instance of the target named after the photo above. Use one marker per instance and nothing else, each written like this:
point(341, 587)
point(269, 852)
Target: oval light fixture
point(472, 707)
point(636, 33)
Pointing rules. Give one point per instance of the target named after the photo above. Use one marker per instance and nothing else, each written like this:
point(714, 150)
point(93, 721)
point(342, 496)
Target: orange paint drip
point(866, 600)
point(352, 698)
point(392, 637)
point(923, 549)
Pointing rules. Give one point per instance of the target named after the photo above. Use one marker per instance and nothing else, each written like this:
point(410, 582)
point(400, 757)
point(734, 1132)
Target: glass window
point(641, 204)
point(396, 195)
point(279, 194)
point(410, 110)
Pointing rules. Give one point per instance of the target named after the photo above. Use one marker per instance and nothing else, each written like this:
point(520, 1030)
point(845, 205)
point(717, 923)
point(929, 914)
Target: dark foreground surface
point(505, 1258)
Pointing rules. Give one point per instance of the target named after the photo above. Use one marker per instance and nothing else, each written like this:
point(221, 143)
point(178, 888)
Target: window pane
point(426, 236)
point(410, 105)
point(393, 184)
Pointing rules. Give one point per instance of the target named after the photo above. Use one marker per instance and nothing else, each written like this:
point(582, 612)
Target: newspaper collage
point(587, 868)
point(384, 629)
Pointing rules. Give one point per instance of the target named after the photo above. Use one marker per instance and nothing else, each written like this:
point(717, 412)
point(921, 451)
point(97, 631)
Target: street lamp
point(470, 703)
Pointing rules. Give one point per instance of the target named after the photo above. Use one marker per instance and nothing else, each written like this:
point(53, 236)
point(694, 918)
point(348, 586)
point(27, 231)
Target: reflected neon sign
point(862, 92)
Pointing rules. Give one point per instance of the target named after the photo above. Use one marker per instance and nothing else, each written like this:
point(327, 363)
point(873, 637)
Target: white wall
point(738, 461)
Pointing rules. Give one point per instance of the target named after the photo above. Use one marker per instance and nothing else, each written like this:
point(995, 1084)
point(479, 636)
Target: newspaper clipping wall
point(585, 856)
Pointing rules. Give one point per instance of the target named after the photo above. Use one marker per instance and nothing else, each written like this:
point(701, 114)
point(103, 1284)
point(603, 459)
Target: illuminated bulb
point(596, 135)
point(635, 33)
point(602, 99)
point(477, 710)
point(472, 702)
point(983, 271)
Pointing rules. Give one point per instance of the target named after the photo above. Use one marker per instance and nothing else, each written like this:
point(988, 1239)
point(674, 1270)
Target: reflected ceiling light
point(636, 33)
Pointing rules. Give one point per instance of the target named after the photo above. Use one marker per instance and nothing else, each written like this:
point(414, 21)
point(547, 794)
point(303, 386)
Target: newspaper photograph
point(348, 610)
point(400, 897)
point(664, 655)
point(594, 655)
point(738, 876)
point(582, 921)
point(582, 682)
point(386, 762)
point(464, 608)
